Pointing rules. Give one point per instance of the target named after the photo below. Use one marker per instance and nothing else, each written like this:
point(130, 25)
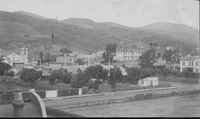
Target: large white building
point(190, 62)
point(66, 59)
point(127, 54)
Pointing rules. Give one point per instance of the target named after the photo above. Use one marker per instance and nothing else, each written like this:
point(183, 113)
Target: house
point(66, 59)
point(127, 54)
point(190, 62)
point(92, 58)
point(149, 81)
point(14, 59)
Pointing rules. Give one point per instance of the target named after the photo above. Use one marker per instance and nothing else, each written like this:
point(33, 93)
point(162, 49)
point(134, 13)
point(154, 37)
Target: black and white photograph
point(99, 58)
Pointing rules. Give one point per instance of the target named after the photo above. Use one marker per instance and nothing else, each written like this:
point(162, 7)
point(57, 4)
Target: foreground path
point(76, 104)
point(68, 103)
point(178, 106)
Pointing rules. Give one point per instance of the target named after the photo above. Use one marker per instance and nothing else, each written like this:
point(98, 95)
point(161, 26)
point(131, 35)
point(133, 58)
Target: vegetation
point(148, 59)
point(115, 76)
point(171, 56)
point(135, 74)
point(109, 53)
point(65, 51)
point(79, 80)
point(9, 73)
point(80, 62)
point(61, 75)
point(30, 75)
point(4, 67)
point(96, 72)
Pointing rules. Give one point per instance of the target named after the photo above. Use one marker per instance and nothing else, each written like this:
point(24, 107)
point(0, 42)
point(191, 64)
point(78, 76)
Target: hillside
point(21, 28)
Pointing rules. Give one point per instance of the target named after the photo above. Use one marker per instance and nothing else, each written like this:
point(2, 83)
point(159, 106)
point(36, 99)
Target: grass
point(128, 86)
point(44, 85)
point(8, 83)
point(173, 78)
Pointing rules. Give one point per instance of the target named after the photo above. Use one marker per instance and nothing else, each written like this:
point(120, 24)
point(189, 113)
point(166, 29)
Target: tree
point(30, 75)
point(65, 51)
point(61, 75)
point(55, 75)
point(96, 72)
point(133, 75)
point(67, 76)
point(80, 61)
point(115, 76)
point(109, 53)
point(9, 73)
point(80, 80)
point(4, 67)
point(147, 72)
point(148, 59)
point(171, 56)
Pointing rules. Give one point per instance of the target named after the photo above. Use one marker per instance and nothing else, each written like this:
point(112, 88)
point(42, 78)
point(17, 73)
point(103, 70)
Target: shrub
point(4, 67)
point(30, 75)
point(9, 73)
point(61, 75)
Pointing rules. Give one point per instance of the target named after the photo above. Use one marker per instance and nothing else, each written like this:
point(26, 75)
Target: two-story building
point(190, 62)
point(127, 54)
point(66, 59)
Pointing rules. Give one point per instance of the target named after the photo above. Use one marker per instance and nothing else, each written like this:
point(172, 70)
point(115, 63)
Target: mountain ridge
point(84, 34)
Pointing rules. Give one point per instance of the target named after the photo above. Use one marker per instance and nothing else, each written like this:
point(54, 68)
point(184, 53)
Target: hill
point(21, 28)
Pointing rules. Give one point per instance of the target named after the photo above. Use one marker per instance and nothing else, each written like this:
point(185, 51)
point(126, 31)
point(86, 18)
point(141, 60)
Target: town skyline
point(126, 12)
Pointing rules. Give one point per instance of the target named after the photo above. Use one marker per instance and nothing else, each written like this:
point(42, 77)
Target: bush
point(139, 96)
point(7, 98)
point(4, 67)
point(79, 80)
point(61, 75)
point(9, 73)
point(64, 92)
point(42, 94)
point(30, 75)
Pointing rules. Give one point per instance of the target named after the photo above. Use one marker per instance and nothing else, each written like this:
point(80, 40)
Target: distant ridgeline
point(19, 29)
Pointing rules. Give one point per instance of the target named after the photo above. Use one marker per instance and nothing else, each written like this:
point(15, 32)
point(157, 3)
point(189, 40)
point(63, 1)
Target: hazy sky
point(127, 12)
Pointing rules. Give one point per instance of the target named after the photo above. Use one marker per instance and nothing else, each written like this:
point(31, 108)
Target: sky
point(134, 13)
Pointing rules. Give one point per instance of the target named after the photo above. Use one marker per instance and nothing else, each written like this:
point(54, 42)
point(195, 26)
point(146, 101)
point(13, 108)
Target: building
point(21, 58)
point(160, 62)
point(66, 59)
point(91, 59)
point(190, 63)
point(127, 54)
point(149, 81)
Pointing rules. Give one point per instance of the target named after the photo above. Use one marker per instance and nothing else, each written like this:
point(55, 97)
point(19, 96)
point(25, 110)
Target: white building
point(192, 62)
point(66, 59)
point(127, 54)
point(91, 59)
point(15, 58)
point(149, 81)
